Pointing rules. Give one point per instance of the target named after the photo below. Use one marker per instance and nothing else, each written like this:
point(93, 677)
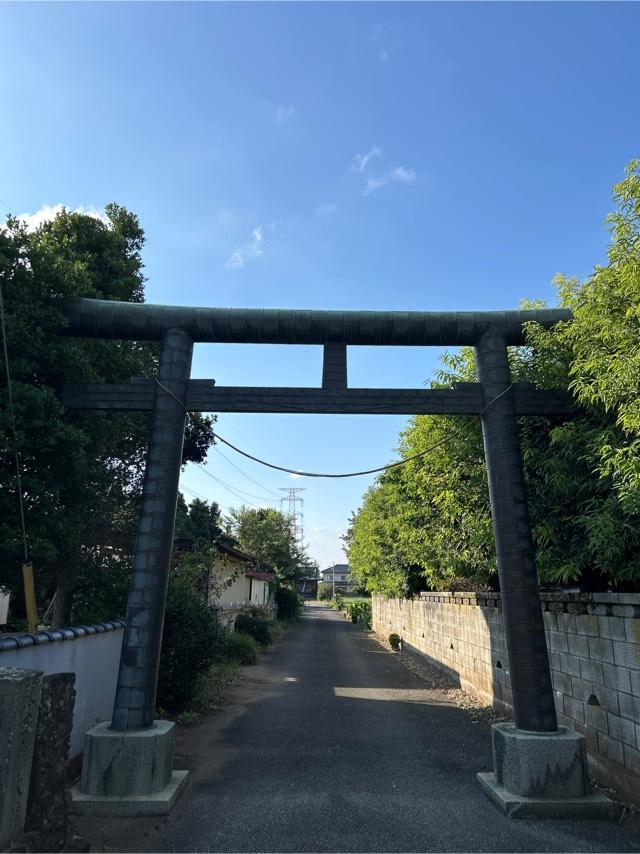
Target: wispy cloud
point(361, 161)
point(400, 174)
point(374, 184)
point(383, 55)
point(48, 212)
point(407, 176)
point(283, 114)
point(361, 164)
point(251, 248)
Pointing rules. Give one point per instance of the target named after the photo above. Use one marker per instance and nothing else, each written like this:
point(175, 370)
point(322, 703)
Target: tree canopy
point(82, 471)
point(427, 524)
point(268, 535)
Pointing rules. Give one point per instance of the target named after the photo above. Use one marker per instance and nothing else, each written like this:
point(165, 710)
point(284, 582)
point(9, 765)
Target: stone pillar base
point(542, 775)
point(128, 773)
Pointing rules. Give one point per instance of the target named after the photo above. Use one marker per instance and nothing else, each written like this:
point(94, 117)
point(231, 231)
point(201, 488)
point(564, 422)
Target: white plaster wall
point(94, 659)
point(238, 591)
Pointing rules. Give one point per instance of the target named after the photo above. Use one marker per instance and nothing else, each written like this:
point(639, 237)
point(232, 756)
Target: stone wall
point(594, 650)
point(92, 653)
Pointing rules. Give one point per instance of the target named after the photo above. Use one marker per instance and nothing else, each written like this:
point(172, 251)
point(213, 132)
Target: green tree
point(82, 471)
point(197, 530)
point(268, 534)
point(198, 521)
point(428, 522)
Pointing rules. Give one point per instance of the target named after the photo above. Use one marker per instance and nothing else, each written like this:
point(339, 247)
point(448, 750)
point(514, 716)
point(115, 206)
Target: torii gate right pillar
point(540, 768)
point(522, 613)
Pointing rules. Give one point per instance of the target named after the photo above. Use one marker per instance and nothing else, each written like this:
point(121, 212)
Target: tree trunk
point(60, 613)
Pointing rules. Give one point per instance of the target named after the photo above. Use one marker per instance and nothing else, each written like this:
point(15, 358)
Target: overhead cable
point(341, 474)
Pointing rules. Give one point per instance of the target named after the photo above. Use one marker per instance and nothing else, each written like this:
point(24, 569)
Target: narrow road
point(331, 744)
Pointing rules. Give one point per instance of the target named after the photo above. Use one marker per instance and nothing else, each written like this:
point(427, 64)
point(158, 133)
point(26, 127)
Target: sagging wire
point(341, 474)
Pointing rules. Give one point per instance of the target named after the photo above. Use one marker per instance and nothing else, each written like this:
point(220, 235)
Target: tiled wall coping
point(20, 640)
point(573, 603)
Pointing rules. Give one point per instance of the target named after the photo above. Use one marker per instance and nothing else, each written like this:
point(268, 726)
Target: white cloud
point(251, 248)
point(407, 176)
point(399, 173)
point(293, 476)
point(375, 184)
point(283, 114)
point(360, 161)
point(383, 55)
point(49, 212)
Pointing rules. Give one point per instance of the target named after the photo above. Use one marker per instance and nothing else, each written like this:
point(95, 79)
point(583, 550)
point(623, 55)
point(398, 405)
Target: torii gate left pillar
point(128, 764)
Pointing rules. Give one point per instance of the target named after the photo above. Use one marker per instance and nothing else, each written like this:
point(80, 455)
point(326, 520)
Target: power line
point(235, 430)
point(202, 498)
point(193, 492)
point(238, 493)
point(324, 474)
point(237, 468)
point(341, 474)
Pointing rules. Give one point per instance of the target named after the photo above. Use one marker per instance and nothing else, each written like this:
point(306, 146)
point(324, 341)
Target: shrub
point(191, 641)
point(337, 602)
point(241, 648)
point(360, 612)
point(255, 624)
point(325, 591)
point(289, 603)
point(395, 642)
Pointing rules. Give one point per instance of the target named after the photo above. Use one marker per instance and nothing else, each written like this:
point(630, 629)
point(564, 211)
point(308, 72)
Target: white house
point(237, 582)
point(339, 573)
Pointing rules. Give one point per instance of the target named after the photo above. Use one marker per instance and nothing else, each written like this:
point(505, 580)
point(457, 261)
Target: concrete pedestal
point(542, 774)
point(128, 773)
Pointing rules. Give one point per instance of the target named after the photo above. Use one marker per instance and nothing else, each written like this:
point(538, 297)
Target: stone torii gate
point(128, 764)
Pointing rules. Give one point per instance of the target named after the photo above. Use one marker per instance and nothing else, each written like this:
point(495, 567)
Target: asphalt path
point(332, 744)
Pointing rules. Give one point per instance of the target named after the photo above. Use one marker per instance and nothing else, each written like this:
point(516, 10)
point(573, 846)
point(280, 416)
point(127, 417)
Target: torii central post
point(133, 731)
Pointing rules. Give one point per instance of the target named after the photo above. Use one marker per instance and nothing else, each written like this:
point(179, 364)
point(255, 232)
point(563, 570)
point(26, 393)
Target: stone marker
point(19, 700)
point(49, 796)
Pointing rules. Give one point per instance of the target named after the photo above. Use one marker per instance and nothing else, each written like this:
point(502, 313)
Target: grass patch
point(212, 690)
point(214, 683)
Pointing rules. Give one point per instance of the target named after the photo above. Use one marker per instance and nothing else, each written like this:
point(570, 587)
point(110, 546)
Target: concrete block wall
point(594, 651)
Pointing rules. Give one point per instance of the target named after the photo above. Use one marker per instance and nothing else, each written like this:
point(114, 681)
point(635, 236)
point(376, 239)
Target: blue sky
point(351, 156)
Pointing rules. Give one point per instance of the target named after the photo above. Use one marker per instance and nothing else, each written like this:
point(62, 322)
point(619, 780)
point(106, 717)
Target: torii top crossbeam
point(147, 322)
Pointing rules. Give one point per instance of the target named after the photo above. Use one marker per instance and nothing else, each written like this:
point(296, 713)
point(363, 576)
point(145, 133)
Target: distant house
point(339, 572)
point(237, 582)
point(307, 587)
